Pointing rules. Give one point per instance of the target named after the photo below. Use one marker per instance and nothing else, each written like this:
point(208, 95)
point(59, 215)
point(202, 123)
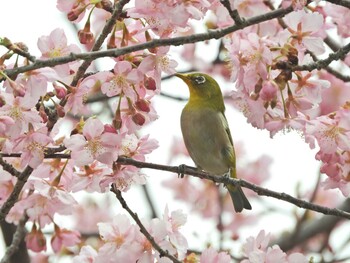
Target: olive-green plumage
point(206, 133)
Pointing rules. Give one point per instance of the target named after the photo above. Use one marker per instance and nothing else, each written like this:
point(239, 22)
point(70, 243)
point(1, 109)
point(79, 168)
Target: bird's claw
point(181, 170)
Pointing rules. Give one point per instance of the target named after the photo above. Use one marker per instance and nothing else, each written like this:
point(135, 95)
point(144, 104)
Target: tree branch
point(182, 169)
point(323, 63)
point(233, 13)
point(12, 199)
point(176, 41)
point(8, 167)
point(311, 228)
point(143, 230)
point(17, 239)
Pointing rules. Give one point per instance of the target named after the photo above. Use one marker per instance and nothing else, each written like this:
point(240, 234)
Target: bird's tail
point(239, 199)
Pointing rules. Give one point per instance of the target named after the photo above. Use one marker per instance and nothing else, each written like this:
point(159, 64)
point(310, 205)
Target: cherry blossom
point(64, 238)
point(93, 144)
point(55, 45)
point(305, 29)
point(209, 255)
point(120, 241)
point(32, 145)
point(86, 255)
point(121, 80)
point(21, 110)
point(258, 250)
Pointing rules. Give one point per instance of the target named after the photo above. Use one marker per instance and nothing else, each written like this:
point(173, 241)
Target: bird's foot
point(182, 170)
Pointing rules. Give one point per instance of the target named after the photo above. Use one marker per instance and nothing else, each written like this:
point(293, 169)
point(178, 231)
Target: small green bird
point(206, 133)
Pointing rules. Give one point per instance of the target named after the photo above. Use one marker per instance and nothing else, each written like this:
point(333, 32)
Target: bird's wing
point(227, 128)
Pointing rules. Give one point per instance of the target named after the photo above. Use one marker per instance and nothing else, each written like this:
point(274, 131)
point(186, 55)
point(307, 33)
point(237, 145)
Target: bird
point(206, 132)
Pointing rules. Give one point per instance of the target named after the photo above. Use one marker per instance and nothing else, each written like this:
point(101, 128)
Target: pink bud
point(142, 105)
point(138, 118)
point(150, 84)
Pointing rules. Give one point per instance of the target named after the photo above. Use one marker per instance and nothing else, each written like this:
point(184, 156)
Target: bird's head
point(203, 88)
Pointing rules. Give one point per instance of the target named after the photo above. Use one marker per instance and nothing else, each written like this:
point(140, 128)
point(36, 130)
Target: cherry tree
point(77, 131)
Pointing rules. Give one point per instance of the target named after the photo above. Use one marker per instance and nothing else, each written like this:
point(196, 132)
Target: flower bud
point(60, 111)
point(85, 37)
point(60, 91)
point(142, 105)
point(138, 118)
point(109, 128)
point(150, 83)
point(75, 13)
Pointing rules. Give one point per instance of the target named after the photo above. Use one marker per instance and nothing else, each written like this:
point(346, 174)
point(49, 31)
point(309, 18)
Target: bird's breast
point(206, 139)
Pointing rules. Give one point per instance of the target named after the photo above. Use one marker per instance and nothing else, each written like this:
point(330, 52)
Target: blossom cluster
point(274, 97)
point(122, 241)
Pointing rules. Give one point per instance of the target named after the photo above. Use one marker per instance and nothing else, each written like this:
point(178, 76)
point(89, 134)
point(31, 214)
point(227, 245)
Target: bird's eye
point(199, 79)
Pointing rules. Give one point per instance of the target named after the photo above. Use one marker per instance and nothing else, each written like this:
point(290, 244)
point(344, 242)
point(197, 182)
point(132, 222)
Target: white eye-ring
point(199, 79)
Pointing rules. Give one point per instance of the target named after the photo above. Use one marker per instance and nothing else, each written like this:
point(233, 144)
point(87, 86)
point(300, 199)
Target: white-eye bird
point(206, 132)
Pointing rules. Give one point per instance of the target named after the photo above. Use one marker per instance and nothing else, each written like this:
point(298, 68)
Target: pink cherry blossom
point(123, 177)
point(88, 177)
point(257, 250)
point(42, 205)
point(159, 20)
point(93, 144)
point(340, 17)
point(55, 45)
point(250, 57)
point(174, 222)
point(248, 8)
point(136, 148)
point(331, 132)
point(86, 255)
point(297, 4)
point(304, 29)
point(89, 213)
point(32, 145)
point(5, 123)
point(157, 229)
point(64, 238)
point(155, 64)
point(120, 241)
point(7, 182)
point(335, 96)
point(121, 80)
point(77, 95)
point(22, 111)
point(209, 255)
point(253, 110)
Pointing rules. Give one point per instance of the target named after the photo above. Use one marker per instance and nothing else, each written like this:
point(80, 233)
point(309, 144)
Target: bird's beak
point(184, 77)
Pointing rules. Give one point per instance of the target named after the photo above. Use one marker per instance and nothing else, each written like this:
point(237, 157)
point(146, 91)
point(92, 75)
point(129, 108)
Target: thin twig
point(143, 230)
point(176, 41)
point(12, 199)
point(149, 201)
point(233, 13)
point(181, 170)
point(323, 63)
point(17, 239)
